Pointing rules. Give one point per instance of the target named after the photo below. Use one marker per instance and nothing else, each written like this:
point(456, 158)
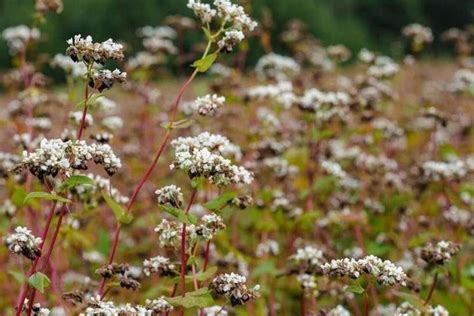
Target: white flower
point(17, 37)
point(277, 67)
point(202, 10)
point(385, 272)
point(203, 156)
point(112, 123)
point(209, 104)
point(230, 39)
point(22, 242)
point(158, 264)
point(267, 247)
point(76, 118)
point(71, 68)
point(170, 194)
point(233, 286)
point(55, 157)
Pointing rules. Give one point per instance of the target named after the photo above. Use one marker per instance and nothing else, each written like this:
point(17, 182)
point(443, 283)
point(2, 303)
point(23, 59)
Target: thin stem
point(303, 305)
point(84, 112)
point(47, 257)
point(149, 171)
point(433, 286)
point(183, 246)
point(206, 255)
point(23, 292)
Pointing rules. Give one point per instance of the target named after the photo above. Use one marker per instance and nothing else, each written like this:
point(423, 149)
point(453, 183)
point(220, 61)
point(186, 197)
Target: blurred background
point(374, 24)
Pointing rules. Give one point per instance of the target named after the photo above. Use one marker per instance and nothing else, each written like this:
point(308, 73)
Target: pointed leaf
point(355, 288)
point(199, 298)
point(220, 201)
point(75, 181)
point(45, 196)
point(180, 214)
point(205, 63)
point(120, 213)
point(39, 281)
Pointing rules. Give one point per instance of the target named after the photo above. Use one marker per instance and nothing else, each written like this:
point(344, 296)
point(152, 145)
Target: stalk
point(433, 286)
point(24, 291)
point(47, 257)
point(183, 247)
point(150, 169)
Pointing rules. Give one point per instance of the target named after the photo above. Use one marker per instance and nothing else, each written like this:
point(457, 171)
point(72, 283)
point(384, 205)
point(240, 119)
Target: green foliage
point(199, 298)
point(75, 181)
point(180, 214)
point(120, 213)
point(39, 281)
point(220, 202)
point(44, 196)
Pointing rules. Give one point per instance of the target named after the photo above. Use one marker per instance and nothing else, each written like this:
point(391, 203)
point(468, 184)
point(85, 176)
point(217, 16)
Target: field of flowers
point(319, 182)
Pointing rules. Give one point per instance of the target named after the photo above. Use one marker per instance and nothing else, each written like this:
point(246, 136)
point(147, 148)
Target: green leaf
point(18, 196)
point(355, 288)
point(205, 63)
point(45, 196)
point(199, 298)
point(185, 123)
point(220, 201)
point(20, 277)
point(120, 213)
point(75, 181)
point(39, 281)
point(179, 214)
point(200, 276)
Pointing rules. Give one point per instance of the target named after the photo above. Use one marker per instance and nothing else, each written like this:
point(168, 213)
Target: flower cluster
point(209, 104)
point(418, 33)
point(170, 232)
point(44, 6)
point(308, 259)
point(440, 253)
point(273, 66)
point(234, 20)
point(171, 195)
point(76, 118)
point(70, 67)
point(462, 81)
point(233, 286)
point(267, 247)
point(202, 156)
point(104, 79)
point(152, 307)
point(22, 242)
point(158, 39)
point(160, 265)
point(55, 157)
point(439, 170)
point(126, 279)
point(18, 37)
point(36, 309)
point(101, 184)
point(85, 49)
point(385, 272)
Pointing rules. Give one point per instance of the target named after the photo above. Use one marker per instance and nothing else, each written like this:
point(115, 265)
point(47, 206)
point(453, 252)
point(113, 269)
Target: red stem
point(145, 177)
point(84, 113)
point(47, 257)
point(183, 247)
point(433, 286)
point(206, 255)
point(32, 270)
